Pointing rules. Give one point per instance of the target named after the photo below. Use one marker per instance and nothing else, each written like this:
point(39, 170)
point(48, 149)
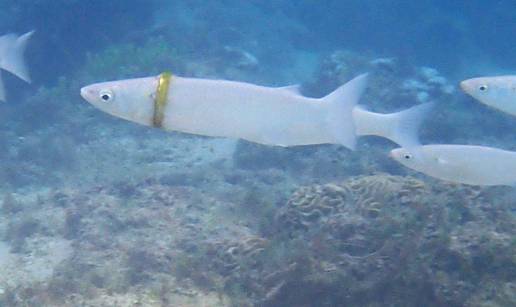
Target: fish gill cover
point(98, 211)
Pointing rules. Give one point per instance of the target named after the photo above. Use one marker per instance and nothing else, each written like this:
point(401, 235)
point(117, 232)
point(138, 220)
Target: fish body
point(271, 116)
point(221, 108)
point(497, 92)
point(12, 50)
point(467, 164)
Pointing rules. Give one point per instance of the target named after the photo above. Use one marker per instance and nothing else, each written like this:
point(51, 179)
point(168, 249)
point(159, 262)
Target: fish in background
point(467, 164)
point(265, 115)
point(12, 50)
point(497, 92)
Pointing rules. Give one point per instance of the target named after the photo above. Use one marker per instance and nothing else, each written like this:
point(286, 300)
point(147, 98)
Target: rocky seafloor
point(372, 240)
point(130, 216)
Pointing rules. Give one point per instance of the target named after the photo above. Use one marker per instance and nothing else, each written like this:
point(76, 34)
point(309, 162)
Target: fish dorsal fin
point(294, 89)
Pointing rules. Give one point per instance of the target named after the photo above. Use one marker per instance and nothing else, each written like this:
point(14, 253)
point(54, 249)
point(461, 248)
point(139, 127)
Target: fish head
point(498, 92)
point(402, 155)
point(414, 157)
point(131, 99)
point(431, 160)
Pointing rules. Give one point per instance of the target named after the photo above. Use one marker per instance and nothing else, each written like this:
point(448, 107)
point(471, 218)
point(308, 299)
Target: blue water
point(105, 212)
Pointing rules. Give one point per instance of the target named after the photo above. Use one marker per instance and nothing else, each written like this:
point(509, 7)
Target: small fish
point(468, 164)
point(497, 92)
point(12, 50)
point(264, 115)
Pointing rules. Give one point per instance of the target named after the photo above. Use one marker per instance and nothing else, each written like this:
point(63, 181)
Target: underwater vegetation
point(368, 240)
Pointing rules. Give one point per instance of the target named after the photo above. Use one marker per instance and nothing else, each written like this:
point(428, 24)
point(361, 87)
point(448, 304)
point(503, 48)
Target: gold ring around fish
point(161, 99)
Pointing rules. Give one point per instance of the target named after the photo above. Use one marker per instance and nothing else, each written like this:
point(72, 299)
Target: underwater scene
point(257, 153)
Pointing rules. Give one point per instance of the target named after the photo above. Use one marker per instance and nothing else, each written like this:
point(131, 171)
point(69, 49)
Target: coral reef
point(394, 83)
point(368, 240)
point(374, 236)
point(309, 205)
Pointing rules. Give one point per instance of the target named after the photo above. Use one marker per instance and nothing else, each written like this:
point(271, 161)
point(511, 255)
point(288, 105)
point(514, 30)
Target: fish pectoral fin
point(294, 89)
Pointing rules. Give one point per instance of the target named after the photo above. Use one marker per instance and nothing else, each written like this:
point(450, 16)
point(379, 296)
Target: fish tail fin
point(341, 103)
point(407, 124)
point(400, 127)
point(13, 59)
point(2, 89)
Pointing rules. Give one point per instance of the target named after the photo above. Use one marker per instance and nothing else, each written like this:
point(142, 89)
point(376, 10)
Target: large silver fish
point(12, 50)
point(265, 115)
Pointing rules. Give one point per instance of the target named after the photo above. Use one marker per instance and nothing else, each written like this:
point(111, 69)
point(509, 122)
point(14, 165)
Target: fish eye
point(106, 96)
point(407, 156)
point(483, 88)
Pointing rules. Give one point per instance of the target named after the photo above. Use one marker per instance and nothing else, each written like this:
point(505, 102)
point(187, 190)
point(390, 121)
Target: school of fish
point(282, 116)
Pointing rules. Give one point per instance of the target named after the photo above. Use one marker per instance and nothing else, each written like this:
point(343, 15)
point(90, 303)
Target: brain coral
point(366, 196)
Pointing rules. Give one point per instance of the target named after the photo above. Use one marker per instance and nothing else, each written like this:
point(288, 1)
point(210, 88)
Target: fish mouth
point(85, 93)
point(464, 86)
point(468, 86)
point(391, 154)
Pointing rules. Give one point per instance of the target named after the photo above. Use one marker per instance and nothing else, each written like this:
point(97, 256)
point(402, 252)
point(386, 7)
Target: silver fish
point(265, 115)
point(468, 164)
point(497, 92)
